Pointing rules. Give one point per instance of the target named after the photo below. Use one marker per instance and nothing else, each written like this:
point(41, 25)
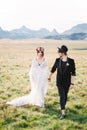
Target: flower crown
point(40, 49)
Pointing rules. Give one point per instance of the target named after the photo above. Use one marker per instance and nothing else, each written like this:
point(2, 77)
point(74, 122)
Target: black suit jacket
point(64, 78)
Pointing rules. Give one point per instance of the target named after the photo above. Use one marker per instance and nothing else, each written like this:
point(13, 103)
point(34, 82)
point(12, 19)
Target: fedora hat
point(62, 49)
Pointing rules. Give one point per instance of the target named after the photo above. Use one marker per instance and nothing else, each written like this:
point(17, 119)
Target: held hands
point(49, 79)
point(72, 85)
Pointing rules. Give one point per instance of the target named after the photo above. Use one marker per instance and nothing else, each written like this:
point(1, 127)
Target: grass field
point(15, 61)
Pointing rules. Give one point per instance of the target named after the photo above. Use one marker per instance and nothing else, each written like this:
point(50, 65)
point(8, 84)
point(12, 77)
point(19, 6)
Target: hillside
point(80, 28)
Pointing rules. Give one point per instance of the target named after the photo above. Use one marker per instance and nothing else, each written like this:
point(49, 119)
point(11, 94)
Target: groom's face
point(60, 54)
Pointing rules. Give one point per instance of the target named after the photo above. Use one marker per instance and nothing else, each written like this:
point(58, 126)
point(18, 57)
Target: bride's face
point(40, 54)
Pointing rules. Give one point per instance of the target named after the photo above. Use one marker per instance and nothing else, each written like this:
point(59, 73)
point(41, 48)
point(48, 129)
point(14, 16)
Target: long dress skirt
point(39, 83)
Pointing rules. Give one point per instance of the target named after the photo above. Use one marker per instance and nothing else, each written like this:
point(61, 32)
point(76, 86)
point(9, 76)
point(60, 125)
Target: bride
point(39, 82)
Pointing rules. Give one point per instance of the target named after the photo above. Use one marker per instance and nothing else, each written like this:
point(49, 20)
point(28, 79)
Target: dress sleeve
point(33, 66)
point(73, 69)
point(54, 67)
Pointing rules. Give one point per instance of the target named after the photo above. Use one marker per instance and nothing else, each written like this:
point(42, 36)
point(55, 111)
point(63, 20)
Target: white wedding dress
point(39, 83)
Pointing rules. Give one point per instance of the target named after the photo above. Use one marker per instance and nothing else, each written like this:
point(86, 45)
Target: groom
point(65, 67)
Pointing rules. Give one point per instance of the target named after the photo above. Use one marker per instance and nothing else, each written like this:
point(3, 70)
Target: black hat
point(63, 49)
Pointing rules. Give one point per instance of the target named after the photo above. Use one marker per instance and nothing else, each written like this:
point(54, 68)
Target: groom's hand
point(49, 79)
point(71, 86)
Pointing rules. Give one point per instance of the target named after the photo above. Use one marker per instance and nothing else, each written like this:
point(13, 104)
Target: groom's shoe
point(62, 117)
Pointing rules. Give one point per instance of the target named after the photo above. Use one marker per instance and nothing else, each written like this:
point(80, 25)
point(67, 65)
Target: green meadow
point(15, 62)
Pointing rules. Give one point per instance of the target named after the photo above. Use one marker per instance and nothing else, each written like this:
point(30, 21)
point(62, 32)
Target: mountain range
point(78, 32)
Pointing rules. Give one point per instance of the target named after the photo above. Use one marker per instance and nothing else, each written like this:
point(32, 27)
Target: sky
point(35, 14)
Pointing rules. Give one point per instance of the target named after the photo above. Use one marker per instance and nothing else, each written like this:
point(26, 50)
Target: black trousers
point(63, 93)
